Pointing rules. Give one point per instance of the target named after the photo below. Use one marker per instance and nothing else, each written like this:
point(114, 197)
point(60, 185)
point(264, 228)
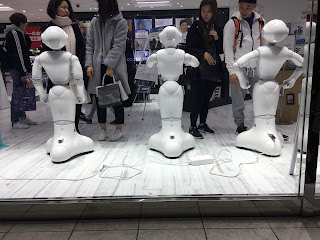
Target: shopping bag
point(24, 99)
point(108, 95)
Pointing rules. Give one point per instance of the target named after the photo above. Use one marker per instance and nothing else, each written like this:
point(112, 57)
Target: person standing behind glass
point(184, 30)
point(18, 44)
point(105, 54)
point(204, 40)
point(61, 13)
point(84, 35)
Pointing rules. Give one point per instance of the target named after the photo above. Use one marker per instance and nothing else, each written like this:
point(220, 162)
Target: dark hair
point(18, 18)
point(140, 22)
point(183, 21)
point(214, 8)
point(53, 7)
point(107, 9)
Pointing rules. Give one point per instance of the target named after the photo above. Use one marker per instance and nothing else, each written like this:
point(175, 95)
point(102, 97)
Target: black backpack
point(3, 56)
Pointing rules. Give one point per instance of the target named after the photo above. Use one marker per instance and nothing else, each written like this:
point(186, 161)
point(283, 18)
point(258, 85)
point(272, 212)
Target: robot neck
point(271, 44)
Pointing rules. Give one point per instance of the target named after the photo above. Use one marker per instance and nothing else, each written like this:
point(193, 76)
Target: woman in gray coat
point(105, 54)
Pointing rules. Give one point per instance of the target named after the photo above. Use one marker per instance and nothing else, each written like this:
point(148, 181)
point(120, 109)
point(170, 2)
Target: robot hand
point(81, 94)
point(243, 81)
point(44, 98)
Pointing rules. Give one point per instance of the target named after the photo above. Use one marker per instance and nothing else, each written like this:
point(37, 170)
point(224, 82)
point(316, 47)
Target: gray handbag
point(108, 95)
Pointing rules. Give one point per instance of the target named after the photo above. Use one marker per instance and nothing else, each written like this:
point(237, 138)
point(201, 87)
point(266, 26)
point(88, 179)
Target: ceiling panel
point(31, 7)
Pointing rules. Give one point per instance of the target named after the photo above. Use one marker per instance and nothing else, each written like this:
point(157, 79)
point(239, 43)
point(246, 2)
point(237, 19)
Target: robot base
point(172, 141)
point(262, 137)
point(67, 142)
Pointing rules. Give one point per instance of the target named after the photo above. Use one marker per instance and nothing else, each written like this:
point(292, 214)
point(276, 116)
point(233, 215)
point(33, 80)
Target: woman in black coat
point(61, 13)
point(204, 41)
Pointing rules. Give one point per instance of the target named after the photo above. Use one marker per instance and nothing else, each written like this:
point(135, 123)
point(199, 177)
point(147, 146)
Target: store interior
point(128, 168)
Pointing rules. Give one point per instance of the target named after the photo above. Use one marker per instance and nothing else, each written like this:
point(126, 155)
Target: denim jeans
point(16, 78)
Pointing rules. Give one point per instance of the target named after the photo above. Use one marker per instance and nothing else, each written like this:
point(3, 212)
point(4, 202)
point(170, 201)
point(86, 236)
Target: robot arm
point(152, 60)
point(190, 60)
point(242, 62)
point(37, 82)
point(298, 61)
point(78, 75)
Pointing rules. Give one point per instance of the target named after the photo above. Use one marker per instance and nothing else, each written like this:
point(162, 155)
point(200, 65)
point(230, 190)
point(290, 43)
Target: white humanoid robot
point(306, 84)
point(172, 141)
point(305, 98)
point(263, 136)
point(66, 142)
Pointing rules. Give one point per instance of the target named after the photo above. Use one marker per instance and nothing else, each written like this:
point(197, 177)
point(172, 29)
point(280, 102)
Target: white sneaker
point(102, 135)
point(20, 125)
point(117, 135)
point(28, 121)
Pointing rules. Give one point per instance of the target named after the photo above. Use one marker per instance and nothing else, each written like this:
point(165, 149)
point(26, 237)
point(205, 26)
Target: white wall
point(286, 10)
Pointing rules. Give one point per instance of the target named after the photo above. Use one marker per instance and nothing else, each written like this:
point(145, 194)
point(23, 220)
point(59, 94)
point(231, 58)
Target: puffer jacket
point(251, 40)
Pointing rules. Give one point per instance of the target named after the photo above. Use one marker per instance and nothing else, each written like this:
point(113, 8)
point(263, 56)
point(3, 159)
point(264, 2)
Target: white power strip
point(201, 160)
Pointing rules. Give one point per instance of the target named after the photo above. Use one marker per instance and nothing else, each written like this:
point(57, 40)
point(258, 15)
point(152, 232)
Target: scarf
point(65, 24)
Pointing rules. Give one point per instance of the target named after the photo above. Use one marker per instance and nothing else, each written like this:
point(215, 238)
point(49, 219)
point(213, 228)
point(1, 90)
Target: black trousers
point(102, 112)
point(201, 92)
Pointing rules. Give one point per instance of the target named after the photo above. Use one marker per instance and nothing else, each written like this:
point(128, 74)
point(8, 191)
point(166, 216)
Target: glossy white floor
point(26, 171)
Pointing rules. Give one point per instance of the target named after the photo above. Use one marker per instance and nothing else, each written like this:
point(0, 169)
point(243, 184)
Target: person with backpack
point(242, 34)
point(18, 44)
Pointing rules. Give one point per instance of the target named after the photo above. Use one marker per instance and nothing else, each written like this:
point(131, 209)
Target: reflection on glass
point(161, 22)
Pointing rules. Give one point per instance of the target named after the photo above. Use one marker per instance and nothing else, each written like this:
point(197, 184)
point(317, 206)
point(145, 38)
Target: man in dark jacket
point(18, 44)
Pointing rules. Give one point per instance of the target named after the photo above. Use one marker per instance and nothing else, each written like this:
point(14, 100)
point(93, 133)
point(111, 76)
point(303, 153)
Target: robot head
point(313, 31)
point(170, 37)
point(275, 31)
point(54, 37)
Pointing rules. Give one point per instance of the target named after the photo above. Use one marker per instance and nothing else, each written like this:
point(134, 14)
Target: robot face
point(275, 31)
point(54, 37)
point(170, 37)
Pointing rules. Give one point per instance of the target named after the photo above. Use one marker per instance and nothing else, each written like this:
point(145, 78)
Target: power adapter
point(201, 160)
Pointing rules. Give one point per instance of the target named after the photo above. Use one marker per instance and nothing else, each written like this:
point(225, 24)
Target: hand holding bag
point(24, 99)
point(108, 95)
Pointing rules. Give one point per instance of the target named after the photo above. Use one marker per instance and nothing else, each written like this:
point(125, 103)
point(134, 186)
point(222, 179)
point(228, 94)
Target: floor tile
point(44, 226)
point(170, 212)
point(291, 222)
point(15, 208)
point(11, 215)
point(167, 205)
point(240, 234)
point(2, 235)
point(5, 226)
point(297, 233)
point(235, 222)
point(38, 236)
point(107, 224)
point(49, 215)
point(230, 212)
point(109, 213)
point(59, 207)
point(230, 204)
point(105, 235)
point(113, 206)
point(170, 223)
point(195, 234)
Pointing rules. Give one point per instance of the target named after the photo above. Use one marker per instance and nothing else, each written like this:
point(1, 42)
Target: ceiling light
point(128, 4)
point(6, 9)
point(1, 4)
point(41, 9)
point(24, 11)
point(151, 7)
point(153, 2)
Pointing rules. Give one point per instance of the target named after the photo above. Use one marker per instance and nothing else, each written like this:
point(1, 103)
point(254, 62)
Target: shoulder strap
point(261, 22)
point(237, 30)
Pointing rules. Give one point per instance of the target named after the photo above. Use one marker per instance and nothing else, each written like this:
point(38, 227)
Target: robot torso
point(271, 60)
point(57, 65)
point(170, 63)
